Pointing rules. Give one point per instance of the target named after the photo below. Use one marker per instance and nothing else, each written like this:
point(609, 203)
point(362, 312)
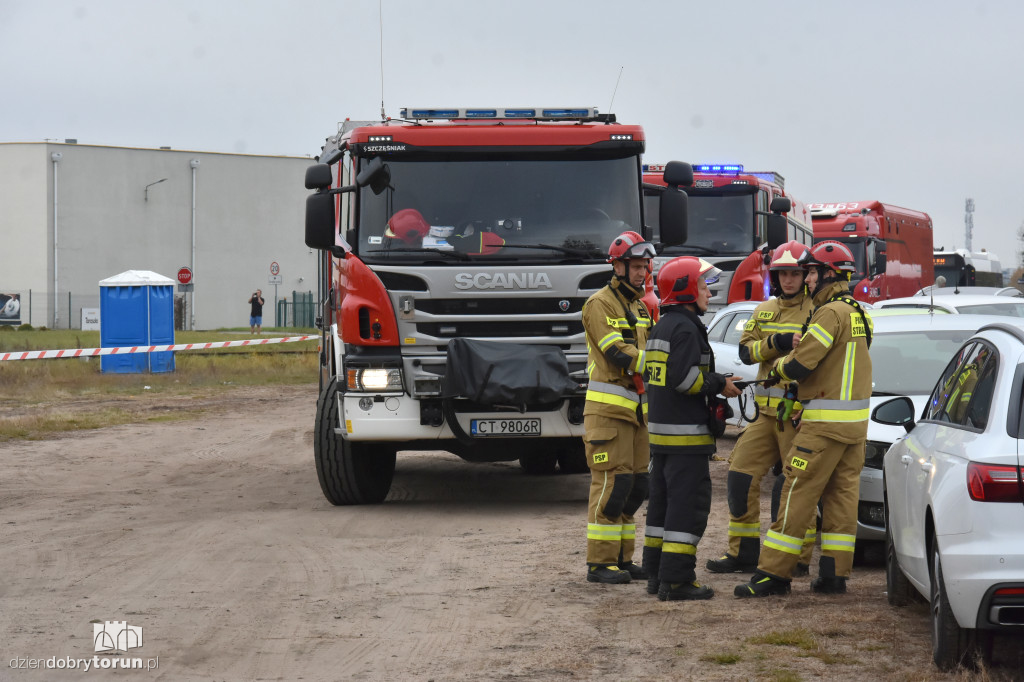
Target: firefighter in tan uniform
point(772, 331)
point(617, 324)
point(833, 370)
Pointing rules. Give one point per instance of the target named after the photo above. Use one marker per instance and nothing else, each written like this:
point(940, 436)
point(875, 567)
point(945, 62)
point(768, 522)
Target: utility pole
point(968, 222)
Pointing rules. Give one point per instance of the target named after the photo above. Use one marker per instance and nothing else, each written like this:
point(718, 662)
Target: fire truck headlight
point(374, 379)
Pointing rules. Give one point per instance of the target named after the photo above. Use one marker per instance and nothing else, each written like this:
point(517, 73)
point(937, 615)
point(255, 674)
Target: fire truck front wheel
point(349, 472)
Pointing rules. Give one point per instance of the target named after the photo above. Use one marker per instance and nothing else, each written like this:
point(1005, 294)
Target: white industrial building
point(74, 214)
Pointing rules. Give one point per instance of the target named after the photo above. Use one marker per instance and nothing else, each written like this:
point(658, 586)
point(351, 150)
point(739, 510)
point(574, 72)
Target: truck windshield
point(502, 208)
point(719, 224)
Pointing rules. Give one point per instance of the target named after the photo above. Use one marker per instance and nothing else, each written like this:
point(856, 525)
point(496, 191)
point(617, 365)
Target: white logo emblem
point(116, 635)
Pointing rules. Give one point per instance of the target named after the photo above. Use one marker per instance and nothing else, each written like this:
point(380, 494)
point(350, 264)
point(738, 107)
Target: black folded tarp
point(494, 373)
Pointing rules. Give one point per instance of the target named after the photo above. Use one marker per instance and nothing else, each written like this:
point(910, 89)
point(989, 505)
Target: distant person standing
point(256, 312)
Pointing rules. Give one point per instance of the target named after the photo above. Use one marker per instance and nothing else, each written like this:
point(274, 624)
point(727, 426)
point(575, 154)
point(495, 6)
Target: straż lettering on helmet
point(678, 279)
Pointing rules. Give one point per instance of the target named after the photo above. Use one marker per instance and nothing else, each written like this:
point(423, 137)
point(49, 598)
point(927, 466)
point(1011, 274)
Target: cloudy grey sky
point(915, 103)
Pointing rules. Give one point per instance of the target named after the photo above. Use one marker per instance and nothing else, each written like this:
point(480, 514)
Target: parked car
point(974, 304)
point(724, 332)
point(1013, 292)
point(954, 496)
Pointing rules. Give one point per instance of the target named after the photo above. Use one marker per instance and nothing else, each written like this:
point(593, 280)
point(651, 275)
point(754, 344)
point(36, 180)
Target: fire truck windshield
point(719, 224)
point(539, 209)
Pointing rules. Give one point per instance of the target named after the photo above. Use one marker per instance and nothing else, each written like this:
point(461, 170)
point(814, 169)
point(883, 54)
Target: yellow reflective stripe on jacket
point(810, 536)
point(755, 351)
point(643, 322)
point(837, 410)
point(692, 382)
point(679, 434)
point(780, 327)
point(848, 366)
point(641, 360)
point(678, 548)
point(610, 394)
point(610, 339)
point(652, 542)
point(819, 333)
point(744, 530)
point(783, 543)
point(617, 322)
point(629, 531)
point(658, 439)
point(604, 532)
point(839, 542)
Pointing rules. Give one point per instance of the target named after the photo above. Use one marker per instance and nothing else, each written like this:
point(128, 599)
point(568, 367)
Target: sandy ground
point(213, 536)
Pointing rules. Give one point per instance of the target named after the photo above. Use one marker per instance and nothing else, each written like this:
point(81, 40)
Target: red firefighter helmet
point(630, 245)
point(409, 225)
point(678, 279)
point(785, 257)
point(831, 254)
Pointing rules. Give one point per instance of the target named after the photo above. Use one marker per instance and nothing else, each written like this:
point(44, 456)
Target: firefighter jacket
point(680, 377)
point(617, 325)
point(833, 367)
point(767, 336)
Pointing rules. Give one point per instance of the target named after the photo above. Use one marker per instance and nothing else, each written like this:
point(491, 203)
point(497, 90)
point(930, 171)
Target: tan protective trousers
point(816, 467)
point(618, 454)
point(759, 447)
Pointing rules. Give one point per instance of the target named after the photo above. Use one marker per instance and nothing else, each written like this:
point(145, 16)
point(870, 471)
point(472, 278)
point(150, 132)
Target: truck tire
point(349, 472)
point(538, 463)
point(573, 460)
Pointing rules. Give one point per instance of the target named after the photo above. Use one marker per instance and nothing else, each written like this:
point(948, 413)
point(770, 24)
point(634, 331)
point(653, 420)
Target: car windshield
point(1009, 309)
point(907, 363)
point(506, 208)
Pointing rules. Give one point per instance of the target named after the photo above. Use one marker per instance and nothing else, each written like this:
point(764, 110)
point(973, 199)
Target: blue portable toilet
point(137, 309)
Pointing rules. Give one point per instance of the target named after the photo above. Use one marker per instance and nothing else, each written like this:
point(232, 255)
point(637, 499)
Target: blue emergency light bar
point(575, 114)
point(718, 168)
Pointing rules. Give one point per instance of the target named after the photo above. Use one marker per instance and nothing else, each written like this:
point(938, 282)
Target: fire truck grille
point(512, 306)
point(521, 329)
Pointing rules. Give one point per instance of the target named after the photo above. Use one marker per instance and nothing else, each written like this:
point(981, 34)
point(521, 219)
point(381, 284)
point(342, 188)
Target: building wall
point(247, 211)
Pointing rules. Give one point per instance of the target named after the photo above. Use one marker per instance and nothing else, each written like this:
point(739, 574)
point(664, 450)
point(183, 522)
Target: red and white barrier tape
point(123, 350)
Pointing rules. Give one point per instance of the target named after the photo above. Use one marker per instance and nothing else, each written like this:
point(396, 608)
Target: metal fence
point(300, 311)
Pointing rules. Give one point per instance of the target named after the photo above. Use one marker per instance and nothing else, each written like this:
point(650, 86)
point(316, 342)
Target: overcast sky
point(917, 104)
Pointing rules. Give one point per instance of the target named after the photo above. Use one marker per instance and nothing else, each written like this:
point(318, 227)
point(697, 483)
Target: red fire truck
point(892, 246)
point(736, 218)
point(458, 248)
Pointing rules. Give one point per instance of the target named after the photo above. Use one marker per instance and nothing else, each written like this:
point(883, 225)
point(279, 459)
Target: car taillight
point(992, 483)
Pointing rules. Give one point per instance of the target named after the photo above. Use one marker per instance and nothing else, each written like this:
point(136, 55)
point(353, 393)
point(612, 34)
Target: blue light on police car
point(865, 289)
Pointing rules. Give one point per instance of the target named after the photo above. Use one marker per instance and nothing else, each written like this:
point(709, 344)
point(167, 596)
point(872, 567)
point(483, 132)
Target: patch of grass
point(799, 637)
point(722, 659)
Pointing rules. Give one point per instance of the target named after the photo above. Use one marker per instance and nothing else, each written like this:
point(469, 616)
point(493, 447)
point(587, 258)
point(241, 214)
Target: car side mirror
point(896, 412)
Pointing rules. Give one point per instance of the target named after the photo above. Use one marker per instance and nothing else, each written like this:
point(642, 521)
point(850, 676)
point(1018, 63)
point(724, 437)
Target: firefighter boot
point(762, 585)
point(684, 591)
point(801, 569)
point(636, 572)
point(827, 582)
point(652, 565)
point(730, 564)
point(611, 575)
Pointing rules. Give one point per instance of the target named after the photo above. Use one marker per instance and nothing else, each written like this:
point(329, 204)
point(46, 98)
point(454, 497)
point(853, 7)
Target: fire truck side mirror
point(320, 220)
point(781, 205)
point(672, 216)
point(778, 230)
point(376, 174)
point(318, 176)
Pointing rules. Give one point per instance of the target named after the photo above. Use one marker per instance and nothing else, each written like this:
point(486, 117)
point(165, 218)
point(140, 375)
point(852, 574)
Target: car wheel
point(898, 589)
point(950, 642)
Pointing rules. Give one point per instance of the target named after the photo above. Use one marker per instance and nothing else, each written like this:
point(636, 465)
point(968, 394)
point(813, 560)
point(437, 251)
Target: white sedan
point(972, 304)
point(954, 496)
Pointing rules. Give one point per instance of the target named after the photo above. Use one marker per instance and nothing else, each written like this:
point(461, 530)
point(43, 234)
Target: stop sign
point(185, 275)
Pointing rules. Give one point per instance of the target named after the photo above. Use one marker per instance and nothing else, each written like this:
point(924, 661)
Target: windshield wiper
point(581, 253)
point(695, 247)
point(453, 254)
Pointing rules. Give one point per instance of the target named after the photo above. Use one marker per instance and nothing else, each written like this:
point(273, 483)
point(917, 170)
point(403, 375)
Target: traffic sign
point(184, 275)
point(275, 279)
point(275, 269)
